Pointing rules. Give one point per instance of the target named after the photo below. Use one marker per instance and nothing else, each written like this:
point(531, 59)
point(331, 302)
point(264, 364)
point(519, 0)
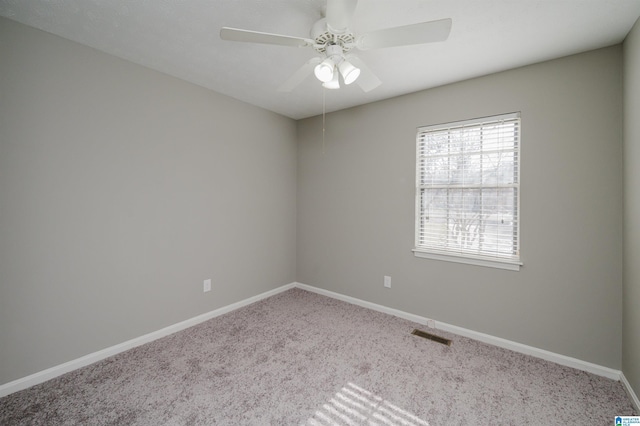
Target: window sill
point(499, 264)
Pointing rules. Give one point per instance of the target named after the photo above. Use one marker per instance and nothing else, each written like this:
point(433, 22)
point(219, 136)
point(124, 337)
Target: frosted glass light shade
point(334, 83)
point(349, 72)
point(324, 70)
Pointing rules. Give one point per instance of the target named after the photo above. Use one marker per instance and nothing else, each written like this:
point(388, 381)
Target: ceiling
point(181, 38)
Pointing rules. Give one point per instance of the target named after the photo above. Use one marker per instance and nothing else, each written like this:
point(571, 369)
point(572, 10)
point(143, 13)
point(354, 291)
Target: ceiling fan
point(332, 39)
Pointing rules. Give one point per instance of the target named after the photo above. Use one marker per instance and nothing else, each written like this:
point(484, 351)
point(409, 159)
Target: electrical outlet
point(387, 281)
point(207, 285)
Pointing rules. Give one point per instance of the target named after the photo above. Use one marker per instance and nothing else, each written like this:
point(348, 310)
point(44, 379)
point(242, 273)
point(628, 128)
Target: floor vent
point(431, 337)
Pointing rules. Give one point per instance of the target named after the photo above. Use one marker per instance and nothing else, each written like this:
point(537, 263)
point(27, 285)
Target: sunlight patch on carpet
point(353, 405)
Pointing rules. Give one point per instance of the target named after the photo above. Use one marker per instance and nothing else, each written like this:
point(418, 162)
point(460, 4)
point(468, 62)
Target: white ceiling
point(180, 38)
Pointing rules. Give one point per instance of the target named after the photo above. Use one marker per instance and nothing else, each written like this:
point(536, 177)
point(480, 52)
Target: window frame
point(507, 262)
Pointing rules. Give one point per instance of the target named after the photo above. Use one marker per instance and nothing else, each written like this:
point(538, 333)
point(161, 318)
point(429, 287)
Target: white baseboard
point(58, 370)
point(630, 392)
point(61, 369)
point(486, 338)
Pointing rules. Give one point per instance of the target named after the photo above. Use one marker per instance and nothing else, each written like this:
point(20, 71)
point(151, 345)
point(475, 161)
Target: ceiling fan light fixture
point(334, 83)
point(324, 70)
point(349, 72)
point(331, 38)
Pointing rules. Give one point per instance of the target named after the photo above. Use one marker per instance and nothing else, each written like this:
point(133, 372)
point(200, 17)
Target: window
point(468, 191)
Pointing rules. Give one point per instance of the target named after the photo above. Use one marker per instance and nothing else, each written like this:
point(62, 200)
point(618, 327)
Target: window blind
point(468, 188)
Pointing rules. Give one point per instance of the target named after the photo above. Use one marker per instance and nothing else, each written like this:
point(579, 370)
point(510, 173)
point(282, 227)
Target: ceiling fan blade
point(236, 34)
point(339, 14)
point(300, 75)
point(424, 32)
point(367, 79)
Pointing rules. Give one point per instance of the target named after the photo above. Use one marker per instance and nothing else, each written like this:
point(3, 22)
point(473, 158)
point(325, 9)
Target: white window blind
point(468, 189)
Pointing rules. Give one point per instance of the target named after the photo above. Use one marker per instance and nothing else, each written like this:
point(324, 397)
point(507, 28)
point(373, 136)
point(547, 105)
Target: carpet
point(299, 358)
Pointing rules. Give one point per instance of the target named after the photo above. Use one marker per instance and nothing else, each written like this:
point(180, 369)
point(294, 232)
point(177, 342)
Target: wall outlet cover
point(387, 281)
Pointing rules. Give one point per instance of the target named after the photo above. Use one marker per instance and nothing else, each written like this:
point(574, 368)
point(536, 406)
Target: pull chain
point(323, 117)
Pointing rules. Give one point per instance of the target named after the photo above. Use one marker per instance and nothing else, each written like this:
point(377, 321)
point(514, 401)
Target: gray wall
point(631, 290)
point(356, 207)
point(121, 190)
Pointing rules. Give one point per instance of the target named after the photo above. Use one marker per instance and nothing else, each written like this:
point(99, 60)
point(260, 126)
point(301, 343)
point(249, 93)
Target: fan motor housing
point(323, 37)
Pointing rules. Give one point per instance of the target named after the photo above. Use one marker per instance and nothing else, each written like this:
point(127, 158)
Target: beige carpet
point(299, 358)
